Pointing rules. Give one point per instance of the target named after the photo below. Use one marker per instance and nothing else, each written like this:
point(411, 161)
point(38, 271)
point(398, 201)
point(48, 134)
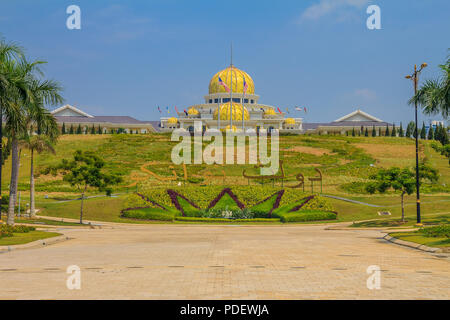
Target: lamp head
point(424, 65)
point(408, 77)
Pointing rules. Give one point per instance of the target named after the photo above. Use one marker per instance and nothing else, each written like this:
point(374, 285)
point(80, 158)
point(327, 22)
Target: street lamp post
point(415, 78)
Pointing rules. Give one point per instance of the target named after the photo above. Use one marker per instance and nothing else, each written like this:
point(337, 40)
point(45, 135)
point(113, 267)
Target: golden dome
point(172, 120)
point(193, 112)
point(238, 81)
point(237, 112)
point(228, 128)
point(289, 121)
point(269, 112)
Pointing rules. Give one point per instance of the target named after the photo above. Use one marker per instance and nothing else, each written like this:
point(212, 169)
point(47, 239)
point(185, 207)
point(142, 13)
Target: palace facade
point(238, 110)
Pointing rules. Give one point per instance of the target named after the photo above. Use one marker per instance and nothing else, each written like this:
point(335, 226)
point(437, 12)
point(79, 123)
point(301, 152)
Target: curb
point(37, 243)
point(413, 245)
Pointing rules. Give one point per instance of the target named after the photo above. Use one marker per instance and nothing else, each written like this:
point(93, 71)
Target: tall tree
point(434, 95)
point(38, 143)
point(28, 100)
point(10, 85)
point(394, 131)
point(63, 128)
point(423, 132)
point(402, 180)
point(374, 132)
point(430, 133)
point(79, 129)
point(400, 131)
point(85, 170)
point(386, 133)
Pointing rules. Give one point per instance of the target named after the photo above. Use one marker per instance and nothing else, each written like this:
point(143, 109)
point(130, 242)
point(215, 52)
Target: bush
point(149, 214)
point(133, 201)
point(200, 219)
point(8, 231)
point(442, 231)
point(307, 215)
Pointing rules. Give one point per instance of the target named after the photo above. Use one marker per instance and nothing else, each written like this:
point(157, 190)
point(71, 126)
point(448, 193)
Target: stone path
point(223, 262)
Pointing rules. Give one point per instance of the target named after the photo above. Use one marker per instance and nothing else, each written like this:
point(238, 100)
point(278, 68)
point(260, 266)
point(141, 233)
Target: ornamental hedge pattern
point(171, 198)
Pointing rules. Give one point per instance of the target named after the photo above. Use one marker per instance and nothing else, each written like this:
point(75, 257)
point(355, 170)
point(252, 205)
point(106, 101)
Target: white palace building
point(246, 111)
point(215, 113)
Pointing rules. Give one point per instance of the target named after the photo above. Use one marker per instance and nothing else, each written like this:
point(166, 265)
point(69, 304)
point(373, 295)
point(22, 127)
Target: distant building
point(71, 116)
point(356, 120)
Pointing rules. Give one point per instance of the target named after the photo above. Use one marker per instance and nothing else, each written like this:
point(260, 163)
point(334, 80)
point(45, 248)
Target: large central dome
point(237, 112)
point(238, 81)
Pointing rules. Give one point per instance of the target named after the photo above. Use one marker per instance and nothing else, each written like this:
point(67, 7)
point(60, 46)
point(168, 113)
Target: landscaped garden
point(218, 204)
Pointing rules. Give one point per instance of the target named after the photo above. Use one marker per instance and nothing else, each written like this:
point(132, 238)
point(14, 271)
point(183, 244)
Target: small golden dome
point(269, 112)
point(237, 112)
point(172, 120)
point(193, 112)
point(238, 81)
point(289, 121)
point(228, 128)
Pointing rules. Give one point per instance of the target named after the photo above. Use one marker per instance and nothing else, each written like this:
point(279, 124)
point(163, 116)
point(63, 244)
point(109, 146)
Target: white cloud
point(325, 7)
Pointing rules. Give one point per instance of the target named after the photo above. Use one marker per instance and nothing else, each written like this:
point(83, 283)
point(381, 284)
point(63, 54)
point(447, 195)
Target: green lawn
point(22, 238)
point(342, 160)
point(417, 237)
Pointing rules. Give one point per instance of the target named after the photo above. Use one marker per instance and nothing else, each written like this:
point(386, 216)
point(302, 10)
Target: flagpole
point(218, 111)
point(243, 96)
point(231, 90)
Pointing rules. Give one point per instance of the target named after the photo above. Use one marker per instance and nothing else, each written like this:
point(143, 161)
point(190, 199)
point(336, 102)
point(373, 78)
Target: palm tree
point(28, 100)
point(434, 95)
point(38, 143)
point(8, 52)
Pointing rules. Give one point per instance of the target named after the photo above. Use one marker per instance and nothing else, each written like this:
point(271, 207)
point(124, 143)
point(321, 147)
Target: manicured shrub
point(133, 200)
point(200, 219)
point(442, 231)
point(8, 231)
point(307, 215)
point(149, 214)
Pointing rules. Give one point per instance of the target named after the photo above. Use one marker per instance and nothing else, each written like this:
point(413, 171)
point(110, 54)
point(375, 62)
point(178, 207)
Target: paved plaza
point(223, 262)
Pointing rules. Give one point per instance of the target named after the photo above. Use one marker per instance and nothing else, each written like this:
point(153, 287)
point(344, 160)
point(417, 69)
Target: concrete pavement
point(223, 262)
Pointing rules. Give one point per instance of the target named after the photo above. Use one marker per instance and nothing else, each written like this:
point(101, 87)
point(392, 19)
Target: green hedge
point(203, 195)
point(199, 219)
point(307, 215)
point(442, 231)
point(8, 231)
point(149, 214)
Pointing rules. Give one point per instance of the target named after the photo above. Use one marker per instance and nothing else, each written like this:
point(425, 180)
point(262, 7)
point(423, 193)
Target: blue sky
point(131, 56)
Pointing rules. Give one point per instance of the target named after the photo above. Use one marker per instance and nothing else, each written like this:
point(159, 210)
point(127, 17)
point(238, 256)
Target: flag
point(245, 86)
point(279, 110)
point(185, 112)
point(287, 110)
point(304, 109)
point(168, 111)
point(176, 110)
point(298, 109)
point(223, 84)
point(159, 109)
